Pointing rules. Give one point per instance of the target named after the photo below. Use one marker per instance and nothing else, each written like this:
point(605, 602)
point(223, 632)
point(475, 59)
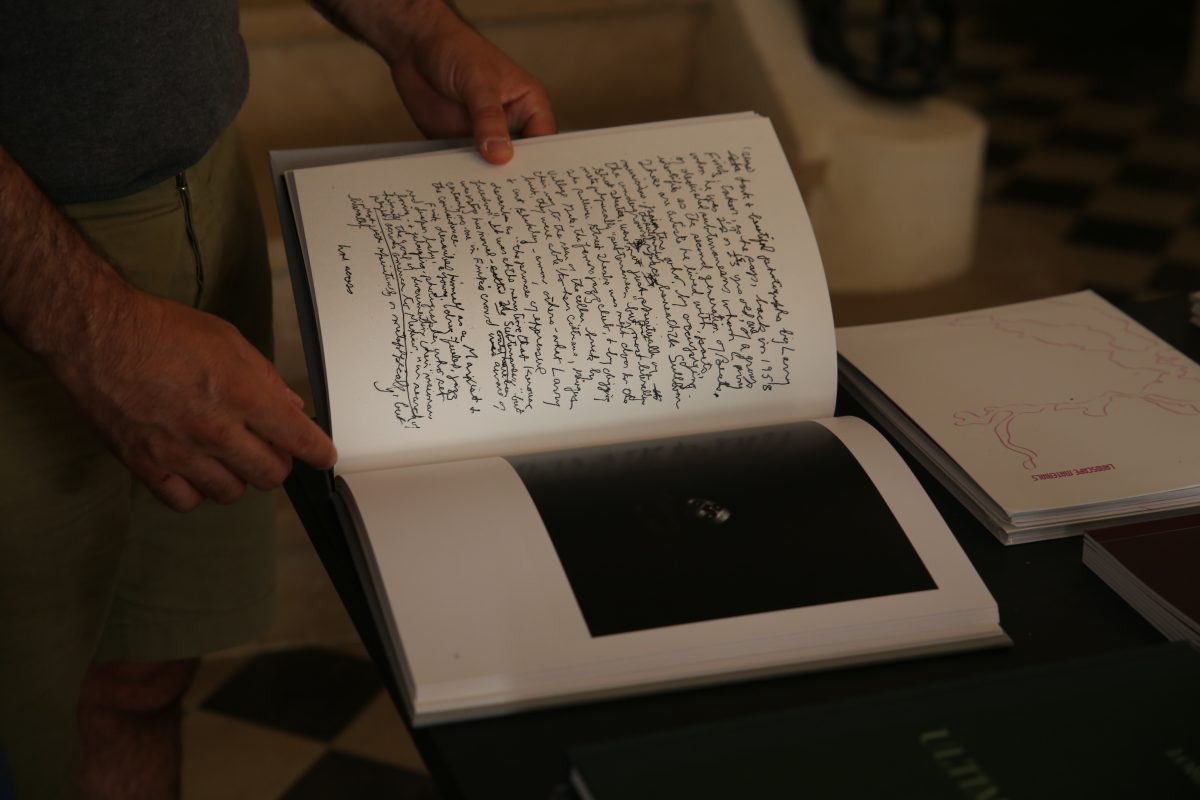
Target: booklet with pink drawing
point(582, 408)
point(1045, 418)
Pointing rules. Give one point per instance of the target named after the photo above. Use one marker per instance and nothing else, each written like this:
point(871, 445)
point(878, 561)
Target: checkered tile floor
point(1111, 158)
point(1110, 163)
point(295, 725)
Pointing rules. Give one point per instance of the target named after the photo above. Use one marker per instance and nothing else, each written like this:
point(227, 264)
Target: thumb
point(490, 126)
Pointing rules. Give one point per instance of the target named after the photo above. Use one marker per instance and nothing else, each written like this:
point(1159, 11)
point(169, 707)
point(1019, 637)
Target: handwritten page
point(654, 281)
point(1058, 402)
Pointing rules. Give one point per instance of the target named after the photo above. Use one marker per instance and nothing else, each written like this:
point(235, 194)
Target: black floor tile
point(1179, 117)
point(976, 75)
point(1061, 194)
point(1001, 155)
point(1052, 58)
point(339, 775)
point(1023, 106)
point(314, 693)
point(1071, 138)
point(1120, 235)
point(1176, 276)
point(1126, 90)
point(1159, 177)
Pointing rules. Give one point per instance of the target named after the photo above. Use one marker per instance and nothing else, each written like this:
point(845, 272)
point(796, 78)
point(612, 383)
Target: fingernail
point(497, 146)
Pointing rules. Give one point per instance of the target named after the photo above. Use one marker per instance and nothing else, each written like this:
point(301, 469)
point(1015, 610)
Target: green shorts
point(92, 566)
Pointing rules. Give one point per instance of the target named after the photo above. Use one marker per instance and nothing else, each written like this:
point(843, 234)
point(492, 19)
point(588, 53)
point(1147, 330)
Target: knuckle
point(229, 493)
point(213, 481)
point(211, 429)
point(268, 478)
point(176, 495)
point(156, 449)
point(301, 440)
point(185, 504)
point(278, 474)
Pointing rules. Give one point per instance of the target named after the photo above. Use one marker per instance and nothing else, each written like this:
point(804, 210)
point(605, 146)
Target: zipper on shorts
point(185, 197)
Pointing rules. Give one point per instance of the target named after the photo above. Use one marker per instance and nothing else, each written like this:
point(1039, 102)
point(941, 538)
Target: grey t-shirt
point(102, 98)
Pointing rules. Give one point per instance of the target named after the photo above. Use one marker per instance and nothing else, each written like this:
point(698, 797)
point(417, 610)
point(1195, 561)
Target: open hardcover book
point(1045, 418)
point(582, 404)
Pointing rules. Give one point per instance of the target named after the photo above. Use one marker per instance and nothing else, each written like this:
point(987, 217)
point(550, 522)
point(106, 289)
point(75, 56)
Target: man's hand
point(188, 404)
point(452, 80)
point(455, 82)
point(184, 401)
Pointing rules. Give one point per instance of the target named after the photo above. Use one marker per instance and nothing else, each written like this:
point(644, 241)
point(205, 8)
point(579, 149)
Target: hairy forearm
point(57, 295)
point(180, 397)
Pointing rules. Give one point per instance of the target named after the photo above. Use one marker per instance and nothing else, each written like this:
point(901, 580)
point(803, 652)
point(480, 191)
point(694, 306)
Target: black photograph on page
point(704, 527)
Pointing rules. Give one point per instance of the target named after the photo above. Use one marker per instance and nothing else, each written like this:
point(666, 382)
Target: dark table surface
point(1051, 606)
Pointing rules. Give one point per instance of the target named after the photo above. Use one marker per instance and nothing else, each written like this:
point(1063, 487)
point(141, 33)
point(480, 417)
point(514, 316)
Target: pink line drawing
point(1156, 374)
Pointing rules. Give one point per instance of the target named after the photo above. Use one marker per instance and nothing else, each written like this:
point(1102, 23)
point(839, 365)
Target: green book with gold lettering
point(1119, 725)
